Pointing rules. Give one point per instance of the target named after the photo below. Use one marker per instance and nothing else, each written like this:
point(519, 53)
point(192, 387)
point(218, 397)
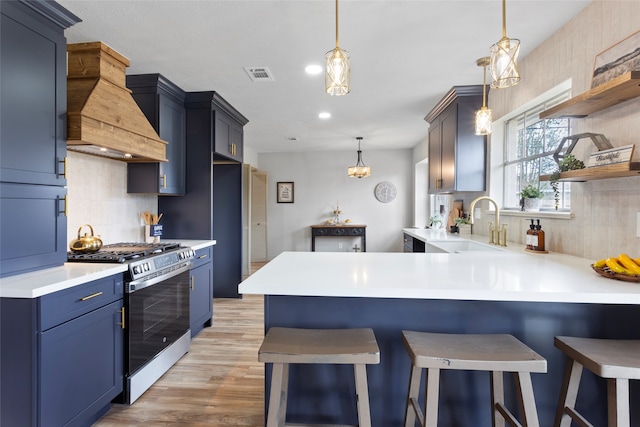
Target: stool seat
point(604, 357)
point(335, 346)
point(496, 353)
point(481, 352)
point(618, 361)
point(283, 346)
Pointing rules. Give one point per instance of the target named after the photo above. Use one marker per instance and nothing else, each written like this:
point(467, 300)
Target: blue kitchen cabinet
point(211, 208)
point(162, 102)
point(62, 355)
point(201, 297)
point(33, 103)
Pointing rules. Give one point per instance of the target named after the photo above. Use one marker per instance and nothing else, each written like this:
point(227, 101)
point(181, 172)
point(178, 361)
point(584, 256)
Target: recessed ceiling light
point(324, 115)
point(313, 69)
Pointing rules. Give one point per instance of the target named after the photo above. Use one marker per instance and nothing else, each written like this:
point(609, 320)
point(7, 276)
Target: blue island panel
point(326, 393)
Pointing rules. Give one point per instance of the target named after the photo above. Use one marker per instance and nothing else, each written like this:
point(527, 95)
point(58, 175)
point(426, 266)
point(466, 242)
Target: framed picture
point(618, 59)
point(285, 192)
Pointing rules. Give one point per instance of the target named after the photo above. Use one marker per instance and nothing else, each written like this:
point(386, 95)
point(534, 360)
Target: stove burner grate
point(122, 252)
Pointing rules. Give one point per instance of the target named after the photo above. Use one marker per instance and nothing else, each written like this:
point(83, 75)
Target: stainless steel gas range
point(156, 308)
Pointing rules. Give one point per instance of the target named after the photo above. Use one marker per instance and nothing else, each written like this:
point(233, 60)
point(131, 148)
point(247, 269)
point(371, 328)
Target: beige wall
point(605, 210)
point(97, 191)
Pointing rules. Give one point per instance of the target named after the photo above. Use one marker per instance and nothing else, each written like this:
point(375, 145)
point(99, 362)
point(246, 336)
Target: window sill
point(541, 214)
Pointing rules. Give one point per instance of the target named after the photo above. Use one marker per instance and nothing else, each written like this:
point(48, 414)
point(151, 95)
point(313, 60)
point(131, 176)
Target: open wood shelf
point(598, 172)
point(615, 91)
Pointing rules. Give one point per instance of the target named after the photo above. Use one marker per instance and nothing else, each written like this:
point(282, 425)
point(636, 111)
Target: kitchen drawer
point(62, 306)
point(339, 231)
point(203, 256)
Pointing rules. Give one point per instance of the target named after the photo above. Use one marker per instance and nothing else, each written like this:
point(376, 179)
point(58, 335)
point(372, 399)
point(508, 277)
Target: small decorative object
point(385, 192)
point(531, 196)
point(568, 163)
point(435, 221)
point(611, 156)
point(336, 214)
point(620, 58)
point(285, 192)
point(152, 228)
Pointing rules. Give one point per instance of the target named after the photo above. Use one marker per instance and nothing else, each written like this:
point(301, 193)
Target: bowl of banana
point(621, 268)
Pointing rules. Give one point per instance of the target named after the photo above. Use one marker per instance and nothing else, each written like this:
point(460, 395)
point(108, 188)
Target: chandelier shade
point(504, 58)
point(360, 170)
point(338, 71)
point(484, 114)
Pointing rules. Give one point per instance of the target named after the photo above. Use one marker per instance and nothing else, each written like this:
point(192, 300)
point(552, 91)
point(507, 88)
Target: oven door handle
point(137, 285)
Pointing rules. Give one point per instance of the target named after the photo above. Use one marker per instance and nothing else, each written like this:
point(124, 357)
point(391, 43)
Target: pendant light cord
point(337, 44)
point(484, 86)
point(504, 19)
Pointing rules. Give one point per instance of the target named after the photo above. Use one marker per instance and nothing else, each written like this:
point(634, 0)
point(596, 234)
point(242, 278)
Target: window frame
point(524, 119)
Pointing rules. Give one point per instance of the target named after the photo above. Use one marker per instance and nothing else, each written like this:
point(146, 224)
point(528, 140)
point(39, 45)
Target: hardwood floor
point(218, 383)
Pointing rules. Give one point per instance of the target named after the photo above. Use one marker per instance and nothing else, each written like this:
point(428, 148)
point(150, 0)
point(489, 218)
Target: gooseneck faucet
point(496, 231)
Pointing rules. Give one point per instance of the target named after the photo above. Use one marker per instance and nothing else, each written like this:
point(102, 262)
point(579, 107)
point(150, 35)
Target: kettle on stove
point(85, 244)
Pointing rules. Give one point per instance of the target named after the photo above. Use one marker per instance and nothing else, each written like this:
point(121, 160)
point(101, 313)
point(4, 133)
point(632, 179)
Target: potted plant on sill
point(530, 198)
point(568, 163)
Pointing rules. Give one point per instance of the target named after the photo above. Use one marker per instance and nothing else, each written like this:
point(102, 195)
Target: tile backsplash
point(97, 195)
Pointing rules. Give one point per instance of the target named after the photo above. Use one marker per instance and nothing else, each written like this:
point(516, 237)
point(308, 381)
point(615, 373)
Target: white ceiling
point(405, 55)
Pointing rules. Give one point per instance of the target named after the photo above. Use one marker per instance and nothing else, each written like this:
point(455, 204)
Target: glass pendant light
point(483, 115)
point(359, 170)
point(504, 57)
point(338, 71)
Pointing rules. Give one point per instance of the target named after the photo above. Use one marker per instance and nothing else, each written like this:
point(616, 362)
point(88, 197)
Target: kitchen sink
point(457, 246)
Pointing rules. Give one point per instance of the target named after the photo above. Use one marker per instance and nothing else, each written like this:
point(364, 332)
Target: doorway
point(258, 232)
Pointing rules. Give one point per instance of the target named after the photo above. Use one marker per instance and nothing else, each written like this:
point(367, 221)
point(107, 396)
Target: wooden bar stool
point(494, 353)
point(618, 361)
point(282, 346)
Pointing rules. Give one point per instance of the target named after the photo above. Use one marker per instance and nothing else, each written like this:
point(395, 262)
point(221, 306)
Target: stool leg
point(618, 402)
point(362, 395)
point(497, 398)
point(431, 398)
point(285, 395)
point(568, 393)
point(412, 397)
point(527, 400)
point(276, 396)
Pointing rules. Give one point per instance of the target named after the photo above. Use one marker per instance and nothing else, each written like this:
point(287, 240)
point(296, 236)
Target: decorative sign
point(611, 156)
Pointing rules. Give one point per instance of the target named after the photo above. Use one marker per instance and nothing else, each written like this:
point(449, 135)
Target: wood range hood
point(103, 119)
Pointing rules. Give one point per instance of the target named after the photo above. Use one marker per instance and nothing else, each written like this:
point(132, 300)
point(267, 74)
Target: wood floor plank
point(218, 383)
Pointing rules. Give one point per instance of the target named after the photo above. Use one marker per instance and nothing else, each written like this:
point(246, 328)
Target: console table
point(346, 230)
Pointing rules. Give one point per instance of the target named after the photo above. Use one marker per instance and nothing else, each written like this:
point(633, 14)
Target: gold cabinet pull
point(64, 165)
point(121, 318)
point(164, 181)
point(202, 256)
point(192, 283)
point(88, 297)
point(65, 200)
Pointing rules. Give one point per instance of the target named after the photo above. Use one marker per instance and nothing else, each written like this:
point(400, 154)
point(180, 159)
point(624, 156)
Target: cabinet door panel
point(81, 367)
point(34, 230)
point(449, 125)
point(435, 157)
point(201, 298)
point(172, 129)
point(32, 134)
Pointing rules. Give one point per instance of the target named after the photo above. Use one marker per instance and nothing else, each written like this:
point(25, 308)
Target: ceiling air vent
point(259, 74)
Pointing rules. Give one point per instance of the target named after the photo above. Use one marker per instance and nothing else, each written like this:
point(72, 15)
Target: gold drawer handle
point(192, 285)
point(88, 297)
point(202, 256)
point(122, 317)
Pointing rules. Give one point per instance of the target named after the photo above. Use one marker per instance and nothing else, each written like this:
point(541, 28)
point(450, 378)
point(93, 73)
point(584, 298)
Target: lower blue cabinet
point(201, 297)
point(60, 371)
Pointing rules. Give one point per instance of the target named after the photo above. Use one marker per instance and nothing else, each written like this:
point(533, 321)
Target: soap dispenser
point(540, 238)
point(529, 237)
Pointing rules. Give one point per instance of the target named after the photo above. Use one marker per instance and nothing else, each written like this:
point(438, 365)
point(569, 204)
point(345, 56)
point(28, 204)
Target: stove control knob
point(146, 266)
point(136, 269)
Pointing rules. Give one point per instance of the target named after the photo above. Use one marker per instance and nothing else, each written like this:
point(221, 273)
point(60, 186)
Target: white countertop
point(429, 234)
point(511, 275)
point(42, 282)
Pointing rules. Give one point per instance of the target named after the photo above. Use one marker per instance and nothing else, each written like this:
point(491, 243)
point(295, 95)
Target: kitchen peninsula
point(531, 296)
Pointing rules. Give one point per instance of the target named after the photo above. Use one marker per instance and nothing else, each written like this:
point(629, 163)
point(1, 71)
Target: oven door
point(157, 315)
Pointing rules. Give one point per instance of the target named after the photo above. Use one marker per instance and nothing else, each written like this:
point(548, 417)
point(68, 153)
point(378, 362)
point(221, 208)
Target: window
point(529, 146)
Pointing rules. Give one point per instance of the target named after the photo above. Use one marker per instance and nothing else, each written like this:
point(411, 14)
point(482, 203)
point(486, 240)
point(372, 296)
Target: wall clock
point(385, 192)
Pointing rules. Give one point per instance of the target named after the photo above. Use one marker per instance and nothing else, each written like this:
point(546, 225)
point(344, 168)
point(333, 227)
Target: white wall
point(320, 181)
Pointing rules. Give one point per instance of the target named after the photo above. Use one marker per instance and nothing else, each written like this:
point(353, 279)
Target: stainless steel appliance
point(156, 308)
